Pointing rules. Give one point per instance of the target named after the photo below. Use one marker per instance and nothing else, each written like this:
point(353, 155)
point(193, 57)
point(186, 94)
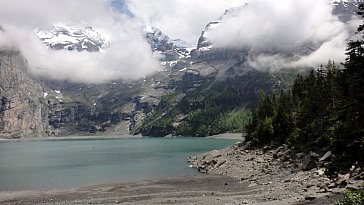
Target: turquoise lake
point(56, 164)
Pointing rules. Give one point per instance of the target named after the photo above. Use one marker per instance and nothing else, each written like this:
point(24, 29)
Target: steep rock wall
point(22, 109)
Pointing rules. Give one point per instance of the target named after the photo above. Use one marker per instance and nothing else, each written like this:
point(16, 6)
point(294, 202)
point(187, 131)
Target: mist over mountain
point(278, 34)
point(120, 29)
point(127, 68)
point(260, 27)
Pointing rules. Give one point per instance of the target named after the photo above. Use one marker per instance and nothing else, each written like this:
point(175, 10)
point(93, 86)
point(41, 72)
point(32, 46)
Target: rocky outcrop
point(276, 173)
point(22, 107)
point(171, 49)
point(156, 131)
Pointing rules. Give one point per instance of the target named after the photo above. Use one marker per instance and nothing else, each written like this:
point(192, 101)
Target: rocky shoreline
point(280, 174)
point(233, 175)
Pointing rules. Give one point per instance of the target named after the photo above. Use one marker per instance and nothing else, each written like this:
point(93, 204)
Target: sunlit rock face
point(73, 38)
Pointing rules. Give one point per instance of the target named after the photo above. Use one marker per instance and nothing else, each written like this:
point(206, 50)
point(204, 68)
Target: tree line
point(321, 111)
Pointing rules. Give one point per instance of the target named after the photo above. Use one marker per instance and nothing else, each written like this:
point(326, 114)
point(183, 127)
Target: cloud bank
point(267, 26)
point(180, 18)
point(129, 56)
point(263, 27)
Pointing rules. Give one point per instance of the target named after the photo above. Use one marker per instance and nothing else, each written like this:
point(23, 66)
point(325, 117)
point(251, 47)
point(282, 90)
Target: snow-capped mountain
point(345, 9)
point(86, 38)
point(203, 42)
point(345, 1)
point(160, 42)
point(73, 38)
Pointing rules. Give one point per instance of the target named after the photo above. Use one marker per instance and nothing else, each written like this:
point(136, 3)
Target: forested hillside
point(322, 111)
point(217, 106)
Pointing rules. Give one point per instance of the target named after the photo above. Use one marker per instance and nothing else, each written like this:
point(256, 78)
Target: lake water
point(76, 163)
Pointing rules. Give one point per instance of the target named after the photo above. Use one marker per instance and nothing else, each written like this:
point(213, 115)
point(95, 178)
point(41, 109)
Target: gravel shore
point(235, 175)
point(206, 189)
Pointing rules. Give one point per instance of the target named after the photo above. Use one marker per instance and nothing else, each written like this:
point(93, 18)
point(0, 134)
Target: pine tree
point(350, 131)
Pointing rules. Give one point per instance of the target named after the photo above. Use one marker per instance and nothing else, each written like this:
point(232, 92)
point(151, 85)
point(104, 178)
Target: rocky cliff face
point(22, 107)
point(172, 49)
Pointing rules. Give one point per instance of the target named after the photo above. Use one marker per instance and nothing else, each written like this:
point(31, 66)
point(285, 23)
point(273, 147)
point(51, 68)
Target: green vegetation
point(301, 116)
point(322, 111)
point(211, 122)
point(165, 112)
point(213, 108)
point(352, 198)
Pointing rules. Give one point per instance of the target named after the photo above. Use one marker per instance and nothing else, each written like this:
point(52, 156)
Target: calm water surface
point(76, 163)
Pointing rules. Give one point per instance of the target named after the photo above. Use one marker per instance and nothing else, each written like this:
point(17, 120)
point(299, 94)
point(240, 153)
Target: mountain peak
point(73, 38)
point(160, 42)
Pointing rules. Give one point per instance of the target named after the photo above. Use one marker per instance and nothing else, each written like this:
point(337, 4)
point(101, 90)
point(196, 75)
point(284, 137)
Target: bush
point(352, 198)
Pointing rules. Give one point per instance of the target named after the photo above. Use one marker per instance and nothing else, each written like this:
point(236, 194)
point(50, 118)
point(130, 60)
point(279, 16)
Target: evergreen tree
point(325, 110)
point(350, 131)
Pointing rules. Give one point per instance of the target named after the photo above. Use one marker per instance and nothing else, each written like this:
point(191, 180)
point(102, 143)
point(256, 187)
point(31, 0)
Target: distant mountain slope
point(77, 38)
point(183, 97)
point(160, 42)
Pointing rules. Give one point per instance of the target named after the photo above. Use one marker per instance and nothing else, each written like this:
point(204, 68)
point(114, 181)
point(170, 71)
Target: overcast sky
point(264, 24)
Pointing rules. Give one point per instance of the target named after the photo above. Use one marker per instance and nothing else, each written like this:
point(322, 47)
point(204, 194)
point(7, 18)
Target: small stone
point(310, 198)
point(259, 160)
point(342, 179)
point(220, 162)
point(255, 178)
point(320, 172)
point(243, 179)
point(239, 144)
point(326, 157)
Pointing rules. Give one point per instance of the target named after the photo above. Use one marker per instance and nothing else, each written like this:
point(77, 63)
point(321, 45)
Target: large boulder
point(310, 161)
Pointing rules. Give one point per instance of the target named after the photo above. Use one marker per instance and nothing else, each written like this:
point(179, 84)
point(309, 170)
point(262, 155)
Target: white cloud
point(129, 56)
point(263, 27)
point(180, 18)
point(284, 25)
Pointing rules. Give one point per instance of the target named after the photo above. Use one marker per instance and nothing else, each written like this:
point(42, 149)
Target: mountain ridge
point(78, 38)
point(185, 80)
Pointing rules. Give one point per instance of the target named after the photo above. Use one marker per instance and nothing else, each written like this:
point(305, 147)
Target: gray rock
point(220, 162)
point(310, 198)
point(326, 157)
point(342, 180)
point(355, 185)
point(259, 160)
point(310, 161)
point(239, 144)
